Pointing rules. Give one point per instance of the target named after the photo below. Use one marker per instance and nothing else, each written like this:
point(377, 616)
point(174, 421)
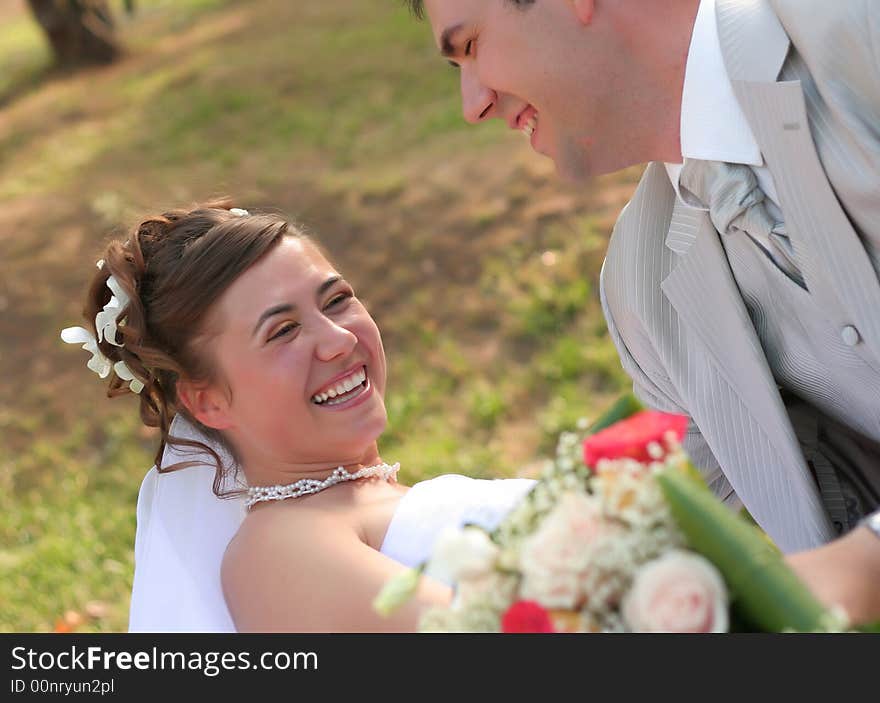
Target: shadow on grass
point(25, 82)
point(42, 71)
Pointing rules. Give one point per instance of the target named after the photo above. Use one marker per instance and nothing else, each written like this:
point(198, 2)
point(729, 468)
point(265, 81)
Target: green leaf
point(765, 593)
point(747, 516)
point(398, 591)
point(624, 407)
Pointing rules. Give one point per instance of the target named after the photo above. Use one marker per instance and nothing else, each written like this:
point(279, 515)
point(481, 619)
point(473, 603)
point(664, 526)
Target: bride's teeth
point(343, 387)
point(531, 125)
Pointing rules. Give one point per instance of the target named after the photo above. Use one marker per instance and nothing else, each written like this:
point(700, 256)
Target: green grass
point(67, 525)
point(340, 114)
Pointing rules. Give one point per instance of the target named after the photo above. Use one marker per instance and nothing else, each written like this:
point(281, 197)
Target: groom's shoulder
point(820, 11)
point(637, 257)
point(843, 26)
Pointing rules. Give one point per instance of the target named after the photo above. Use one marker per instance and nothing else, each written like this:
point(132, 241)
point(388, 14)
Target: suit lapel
point(702, 290)
point(730, 389)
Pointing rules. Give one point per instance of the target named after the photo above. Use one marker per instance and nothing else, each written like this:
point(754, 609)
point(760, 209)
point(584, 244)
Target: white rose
point(679, 592)
point(462, 554)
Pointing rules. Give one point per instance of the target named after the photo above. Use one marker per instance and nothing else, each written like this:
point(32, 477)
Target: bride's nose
point(334, 341)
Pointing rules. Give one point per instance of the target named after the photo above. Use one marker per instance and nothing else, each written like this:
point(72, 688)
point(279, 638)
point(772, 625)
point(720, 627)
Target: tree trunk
point(79, 31)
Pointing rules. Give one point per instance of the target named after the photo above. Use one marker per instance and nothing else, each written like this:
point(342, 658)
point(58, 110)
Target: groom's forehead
point(447, 15)
point(465, 10)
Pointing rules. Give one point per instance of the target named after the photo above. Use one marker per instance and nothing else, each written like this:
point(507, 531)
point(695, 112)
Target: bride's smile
point(347, 387)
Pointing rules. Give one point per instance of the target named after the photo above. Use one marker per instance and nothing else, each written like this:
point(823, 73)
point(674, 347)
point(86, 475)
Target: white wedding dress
point(183, 530)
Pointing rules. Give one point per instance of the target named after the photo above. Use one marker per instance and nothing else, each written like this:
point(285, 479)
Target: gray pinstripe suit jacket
point(673, 307)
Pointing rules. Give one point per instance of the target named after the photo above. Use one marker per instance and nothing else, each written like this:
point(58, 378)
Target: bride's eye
point(338, 299)
point(284, 331)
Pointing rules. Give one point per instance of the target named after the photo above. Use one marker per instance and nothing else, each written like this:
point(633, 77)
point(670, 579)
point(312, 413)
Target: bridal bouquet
point(619, 535)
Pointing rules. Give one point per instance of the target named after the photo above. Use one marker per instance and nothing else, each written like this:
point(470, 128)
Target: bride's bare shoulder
point(316, 568)
point(276, 557)
point(284, 532)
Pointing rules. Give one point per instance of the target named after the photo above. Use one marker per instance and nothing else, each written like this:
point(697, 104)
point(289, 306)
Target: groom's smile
point(527, 122)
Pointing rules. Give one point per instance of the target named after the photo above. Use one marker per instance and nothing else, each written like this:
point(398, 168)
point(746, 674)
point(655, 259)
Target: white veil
point(182, 531)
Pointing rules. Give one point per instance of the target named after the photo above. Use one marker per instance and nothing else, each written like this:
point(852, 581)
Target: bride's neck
point(262, 470)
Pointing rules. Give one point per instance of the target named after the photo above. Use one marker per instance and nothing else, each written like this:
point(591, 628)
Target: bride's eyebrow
point(327, 285)
point(271, 312)
point(290, 307)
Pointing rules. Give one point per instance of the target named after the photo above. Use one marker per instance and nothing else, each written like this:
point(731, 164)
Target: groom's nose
point(477, 100)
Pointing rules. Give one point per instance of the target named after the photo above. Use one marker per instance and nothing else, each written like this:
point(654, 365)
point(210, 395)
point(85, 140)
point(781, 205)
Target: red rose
point(630, 438)
point(526, 616)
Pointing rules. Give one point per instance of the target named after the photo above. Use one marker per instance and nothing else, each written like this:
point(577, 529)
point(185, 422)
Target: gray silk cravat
point(736, 204)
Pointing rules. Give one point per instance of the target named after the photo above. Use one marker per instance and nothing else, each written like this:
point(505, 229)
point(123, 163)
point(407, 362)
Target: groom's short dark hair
point(417, 7)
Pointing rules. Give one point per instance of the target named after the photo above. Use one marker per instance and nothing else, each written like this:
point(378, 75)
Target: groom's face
point(545, 68)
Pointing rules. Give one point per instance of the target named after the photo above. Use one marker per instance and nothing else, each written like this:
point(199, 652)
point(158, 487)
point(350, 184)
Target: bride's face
point(301, 364)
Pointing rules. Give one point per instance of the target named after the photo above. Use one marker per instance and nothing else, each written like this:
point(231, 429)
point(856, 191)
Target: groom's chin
point(573, 166)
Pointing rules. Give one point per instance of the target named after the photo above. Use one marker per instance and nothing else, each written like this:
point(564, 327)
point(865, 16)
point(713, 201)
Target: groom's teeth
point(531, 125)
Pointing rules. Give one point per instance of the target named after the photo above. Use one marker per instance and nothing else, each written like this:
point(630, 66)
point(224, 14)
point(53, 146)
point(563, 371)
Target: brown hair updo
point(174, 267)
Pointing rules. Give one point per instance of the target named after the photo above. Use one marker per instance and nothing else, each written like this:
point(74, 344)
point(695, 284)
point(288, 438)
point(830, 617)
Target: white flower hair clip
point(106, 323)
point(238, 212)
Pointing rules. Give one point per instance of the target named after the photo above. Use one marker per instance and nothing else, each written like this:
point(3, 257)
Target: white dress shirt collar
point(713, 126)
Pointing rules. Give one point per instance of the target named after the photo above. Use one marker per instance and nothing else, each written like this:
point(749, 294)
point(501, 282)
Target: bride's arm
point(315, 575)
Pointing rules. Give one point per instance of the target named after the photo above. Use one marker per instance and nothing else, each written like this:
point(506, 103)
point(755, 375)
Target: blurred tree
point(79, 31)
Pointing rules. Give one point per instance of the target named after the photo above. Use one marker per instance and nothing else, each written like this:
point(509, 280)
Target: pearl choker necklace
point(307, 486)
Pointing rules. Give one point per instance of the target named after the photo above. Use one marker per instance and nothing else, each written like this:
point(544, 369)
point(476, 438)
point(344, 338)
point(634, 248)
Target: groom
point(742, 282)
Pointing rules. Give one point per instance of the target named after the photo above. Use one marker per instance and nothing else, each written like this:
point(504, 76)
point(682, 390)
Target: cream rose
point(462, 554)
point(555, 559)
point(679, 592)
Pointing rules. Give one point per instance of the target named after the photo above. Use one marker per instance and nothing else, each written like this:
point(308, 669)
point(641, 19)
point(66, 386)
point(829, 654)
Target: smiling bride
point(269, 507)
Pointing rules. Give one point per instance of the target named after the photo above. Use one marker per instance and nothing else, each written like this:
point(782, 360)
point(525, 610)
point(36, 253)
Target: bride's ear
point(205, 402)
point(583, 10)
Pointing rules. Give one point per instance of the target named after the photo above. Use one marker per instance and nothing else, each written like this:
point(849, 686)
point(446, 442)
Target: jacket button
point(850, 336)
